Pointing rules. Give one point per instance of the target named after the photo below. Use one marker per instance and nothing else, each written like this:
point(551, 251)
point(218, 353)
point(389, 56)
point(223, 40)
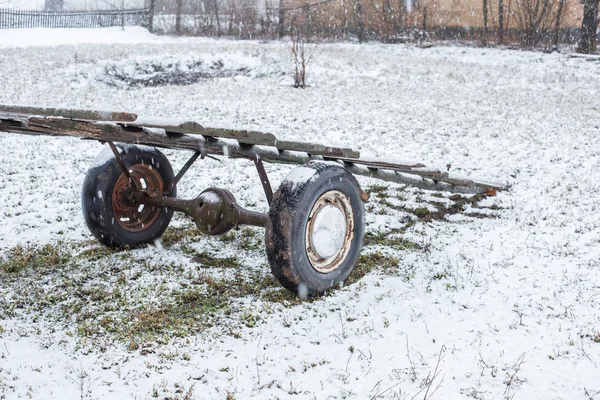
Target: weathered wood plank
point(426, 178)
point(113, 132)
point(67, 113)
point(317, 149)
point(385, 164)
point(194, 128)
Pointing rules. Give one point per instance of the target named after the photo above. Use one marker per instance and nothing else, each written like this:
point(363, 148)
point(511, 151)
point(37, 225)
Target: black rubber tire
point(97, 194)
point(286, 229)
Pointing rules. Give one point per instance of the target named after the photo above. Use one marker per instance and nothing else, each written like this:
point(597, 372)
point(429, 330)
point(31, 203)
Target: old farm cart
point(315, 223)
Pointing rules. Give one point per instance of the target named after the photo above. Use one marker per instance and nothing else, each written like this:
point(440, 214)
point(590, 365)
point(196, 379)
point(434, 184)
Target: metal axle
point(215, 211)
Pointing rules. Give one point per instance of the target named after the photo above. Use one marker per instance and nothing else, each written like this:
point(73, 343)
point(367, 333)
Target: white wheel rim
point(329, 231)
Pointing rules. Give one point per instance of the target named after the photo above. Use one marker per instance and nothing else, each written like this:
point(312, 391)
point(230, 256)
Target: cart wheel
point(315, 229)
point(110, 213)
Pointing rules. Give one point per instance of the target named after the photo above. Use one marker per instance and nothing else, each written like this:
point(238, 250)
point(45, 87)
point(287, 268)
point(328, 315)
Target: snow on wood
point(8, 110)
point(178, 137)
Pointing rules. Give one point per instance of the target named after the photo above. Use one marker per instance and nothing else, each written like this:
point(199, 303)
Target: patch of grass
point(371, 262)
point(391, 239)
point(421, 212)
point(275, 293)
point(216, 262)
point(388, 204)
point(229, 237)
point(250, 240)
point(376, 189)
point(7, 309)
point(97, 253)
point(459, 203)
point(173, 235)
point(149, 320)
point(98, 293)
point(175, 391)
point(438, 276)
point(594, 337)
point(457, 207)
point(110, 302)
point(249, 319)
point(203, 304)
point(21, 258)
point(191, 296)
point(283, 296)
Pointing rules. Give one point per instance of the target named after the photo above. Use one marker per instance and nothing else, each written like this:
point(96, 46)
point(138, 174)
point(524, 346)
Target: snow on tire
point(315, 229)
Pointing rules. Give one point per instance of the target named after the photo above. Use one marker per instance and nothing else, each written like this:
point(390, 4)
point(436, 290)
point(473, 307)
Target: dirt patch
point(166, 72)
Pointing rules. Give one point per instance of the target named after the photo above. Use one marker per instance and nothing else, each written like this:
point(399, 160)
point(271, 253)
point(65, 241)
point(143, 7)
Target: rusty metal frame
point(117, 156)
point(183, 171)
point(215, 211)
point(119, 127)
point(212, 218)
point(264, 179)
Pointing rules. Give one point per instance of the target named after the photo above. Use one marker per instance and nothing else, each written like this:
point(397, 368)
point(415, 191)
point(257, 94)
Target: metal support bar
point(264, 179)
point(123, 166)
point(183, 170)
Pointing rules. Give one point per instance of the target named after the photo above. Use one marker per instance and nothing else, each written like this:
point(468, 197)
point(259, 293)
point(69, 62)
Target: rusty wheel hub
point(130, 214)
point(329, 231)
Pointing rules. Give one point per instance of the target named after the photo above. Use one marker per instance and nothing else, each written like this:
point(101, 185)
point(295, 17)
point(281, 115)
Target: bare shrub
point(534, 18)
point(302, 53)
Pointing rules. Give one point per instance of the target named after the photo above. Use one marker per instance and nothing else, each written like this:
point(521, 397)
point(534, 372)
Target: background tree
point(501, 21)
point(216, 5)
point(151, 16)
point(358, 15)
point(179, 6)
point(281, 22)
point(559, 15)
point(589, 25)
point(485, 23)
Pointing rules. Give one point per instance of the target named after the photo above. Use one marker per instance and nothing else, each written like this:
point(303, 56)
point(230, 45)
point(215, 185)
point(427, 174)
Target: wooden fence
point(11, 18)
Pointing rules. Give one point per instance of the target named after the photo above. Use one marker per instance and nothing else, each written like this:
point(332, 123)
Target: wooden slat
point(106, 132)
point(194, 128)
point(392, 165)
point(427, 178)
point(67, 113)
point(317, 149)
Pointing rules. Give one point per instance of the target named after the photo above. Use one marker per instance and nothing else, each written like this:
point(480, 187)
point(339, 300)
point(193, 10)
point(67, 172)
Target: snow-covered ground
point(468, 307)
point(12, 38)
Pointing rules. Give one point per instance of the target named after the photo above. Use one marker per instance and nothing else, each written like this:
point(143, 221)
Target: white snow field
point(498, 299)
